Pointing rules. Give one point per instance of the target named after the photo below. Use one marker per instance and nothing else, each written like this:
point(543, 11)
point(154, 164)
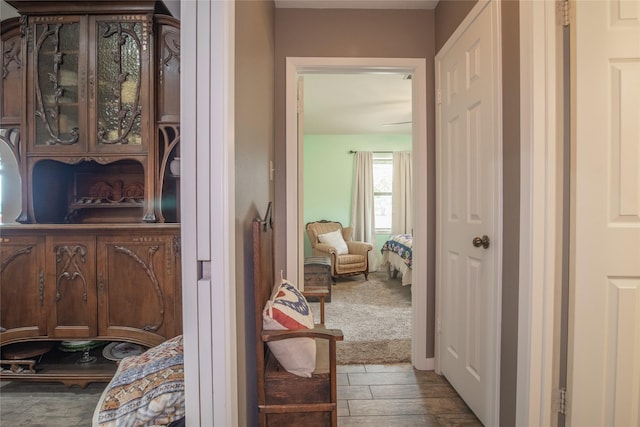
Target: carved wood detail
point(177, 246)
point(14, 255)
point(11, 136)
point(11, 54)
point(72, 160)
point(168, 140)
point(149, 270)
point(171, 42)
point(116, 192)
point(70, 258)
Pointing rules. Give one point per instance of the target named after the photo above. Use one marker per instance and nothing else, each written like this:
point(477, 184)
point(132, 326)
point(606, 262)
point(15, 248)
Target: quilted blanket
point(147, 390)
point(400, 244)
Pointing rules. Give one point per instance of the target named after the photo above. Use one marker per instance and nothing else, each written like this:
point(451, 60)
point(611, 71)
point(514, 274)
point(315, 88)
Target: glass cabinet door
point(120, 94)
point(58, 89)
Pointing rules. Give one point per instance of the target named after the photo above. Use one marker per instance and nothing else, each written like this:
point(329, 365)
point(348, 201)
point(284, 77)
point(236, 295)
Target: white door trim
point(294, 256)
point(207, 206)
point(496, 323)
point(540, 212)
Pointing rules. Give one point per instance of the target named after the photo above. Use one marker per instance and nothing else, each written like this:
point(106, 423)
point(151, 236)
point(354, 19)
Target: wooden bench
point(285, 399)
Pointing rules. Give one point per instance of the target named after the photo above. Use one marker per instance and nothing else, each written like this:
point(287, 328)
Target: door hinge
point(562, 401)
point(564, 13)
point(439, 97)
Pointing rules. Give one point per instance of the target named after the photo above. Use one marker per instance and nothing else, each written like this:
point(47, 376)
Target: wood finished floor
point(398, 395)
point(393, 395)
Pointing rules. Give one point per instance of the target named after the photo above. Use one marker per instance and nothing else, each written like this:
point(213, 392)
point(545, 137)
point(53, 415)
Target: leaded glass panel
point(56, 103)
point(119, 78)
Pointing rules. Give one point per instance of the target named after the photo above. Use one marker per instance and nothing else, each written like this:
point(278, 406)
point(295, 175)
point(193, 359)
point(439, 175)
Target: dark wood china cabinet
point(91, 112)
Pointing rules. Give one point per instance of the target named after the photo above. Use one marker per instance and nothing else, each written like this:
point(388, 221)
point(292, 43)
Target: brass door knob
point(481, 241)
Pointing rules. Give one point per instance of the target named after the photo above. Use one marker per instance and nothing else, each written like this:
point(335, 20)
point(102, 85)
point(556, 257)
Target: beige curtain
point(362, 213)
point(402, 197)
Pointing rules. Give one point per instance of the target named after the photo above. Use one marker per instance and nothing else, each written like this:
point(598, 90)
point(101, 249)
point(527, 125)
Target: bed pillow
point(286, 310)
point(147, 389)
point(336, 240)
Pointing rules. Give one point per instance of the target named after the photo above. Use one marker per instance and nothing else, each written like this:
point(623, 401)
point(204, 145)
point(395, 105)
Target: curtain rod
point(354, 152)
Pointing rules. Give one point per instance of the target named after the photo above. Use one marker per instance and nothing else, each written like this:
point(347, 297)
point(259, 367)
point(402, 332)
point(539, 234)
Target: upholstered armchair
point(330, 239)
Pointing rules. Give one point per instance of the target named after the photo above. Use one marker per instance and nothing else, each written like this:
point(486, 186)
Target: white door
point(469, 211)
point(603, 386)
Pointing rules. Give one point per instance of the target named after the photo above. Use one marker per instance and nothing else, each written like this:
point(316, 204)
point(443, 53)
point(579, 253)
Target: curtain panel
point(402, 196)
point(362, 212)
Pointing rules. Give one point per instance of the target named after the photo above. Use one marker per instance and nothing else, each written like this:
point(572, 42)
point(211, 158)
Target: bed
point(396, 255)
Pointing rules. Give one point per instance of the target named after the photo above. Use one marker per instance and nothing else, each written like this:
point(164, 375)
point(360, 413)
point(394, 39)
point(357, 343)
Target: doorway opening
point(416, 68)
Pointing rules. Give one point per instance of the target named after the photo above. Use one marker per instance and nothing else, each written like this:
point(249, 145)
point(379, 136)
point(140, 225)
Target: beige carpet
point(375, 317)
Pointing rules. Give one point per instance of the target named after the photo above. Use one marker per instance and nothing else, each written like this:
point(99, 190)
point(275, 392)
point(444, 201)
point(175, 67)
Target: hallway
point(398, 395)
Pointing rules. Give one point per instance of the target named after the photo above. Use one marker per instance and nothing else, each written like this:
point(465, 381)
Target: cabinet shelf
point(105, 205)
point(63, 367)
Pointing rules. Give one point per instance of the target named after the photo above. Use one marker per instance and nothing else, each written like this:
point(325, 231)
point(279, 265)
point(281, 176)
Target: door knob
point(481, 241)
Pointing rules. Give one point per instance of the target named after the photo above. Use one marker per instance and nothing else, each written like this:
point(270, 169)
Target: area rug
point(375, 317)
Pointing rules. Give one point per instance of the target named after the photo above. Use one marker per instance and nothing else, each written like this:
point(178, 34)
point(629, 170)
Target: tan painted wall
point(511, 213)
point(355, 33)
point(254, 148)
point(449, 14)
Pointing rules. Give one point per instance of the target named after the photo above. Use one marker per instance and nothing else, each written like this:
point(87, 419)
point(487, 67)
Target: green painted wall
point(328, 175)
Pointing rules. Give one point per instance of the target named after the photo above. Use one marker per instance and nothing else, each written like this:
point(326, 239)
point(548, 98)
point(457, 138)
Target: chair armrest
point(325, 247)
point(360, 248)
point(323, 333)
point(315, 293)
point(320, 294)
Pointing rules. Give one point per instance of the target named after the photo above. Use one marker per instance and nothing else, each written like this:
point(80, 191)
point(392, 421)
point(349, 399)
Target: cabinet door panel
point(119, 65)
point(58, 92)
point(11, 96)
point(72, 298)
point(168, 72)
point(22, 287)
point(139, 299)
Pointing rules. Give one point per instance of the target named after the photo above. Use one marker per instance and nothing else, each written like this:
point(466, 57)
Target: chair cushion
point(335, 239)
point(288, 309)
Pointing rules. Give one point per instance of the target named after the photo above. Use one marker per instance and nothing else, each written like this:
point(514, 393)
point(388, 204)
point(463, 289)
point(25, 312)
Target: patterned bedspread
point(401, 244)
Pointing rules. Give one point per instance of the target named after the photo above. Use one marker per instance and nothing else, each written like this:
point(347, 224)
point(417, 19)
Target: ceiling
point(357, 4)
point(357, 104)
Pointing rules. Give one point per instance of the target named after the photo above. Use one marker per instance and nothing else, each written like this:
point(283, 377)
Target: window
point(382, 188)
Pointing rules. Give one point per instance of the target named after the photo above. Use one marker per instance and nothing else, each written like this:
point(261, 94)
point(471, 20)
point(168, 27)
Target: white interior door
point(604, 323)
point(469, 211)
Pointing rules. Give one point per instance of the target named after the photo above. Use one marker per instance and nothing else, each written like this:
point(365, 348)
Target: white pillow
point(336, 240)
point(288, 309)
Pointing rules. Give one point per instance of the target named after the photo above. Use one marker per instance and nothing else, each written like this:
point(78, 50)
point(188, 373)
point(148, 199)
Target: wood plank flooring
point(393, 395)
point(398, 395)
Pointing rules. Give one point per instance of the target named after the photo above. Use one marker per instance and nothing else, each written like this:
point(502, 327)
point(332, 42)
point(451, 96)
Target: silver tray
point(119, 350)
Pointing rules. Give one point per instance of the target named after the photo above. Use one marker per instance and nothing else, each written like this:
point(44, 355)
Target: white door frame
point(208, 212)
point(295, 247)
point(540, 213)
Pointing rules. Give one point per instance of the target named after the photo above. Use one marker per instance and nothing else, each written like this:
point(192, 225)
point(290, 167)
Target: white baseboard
point(425, 364)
